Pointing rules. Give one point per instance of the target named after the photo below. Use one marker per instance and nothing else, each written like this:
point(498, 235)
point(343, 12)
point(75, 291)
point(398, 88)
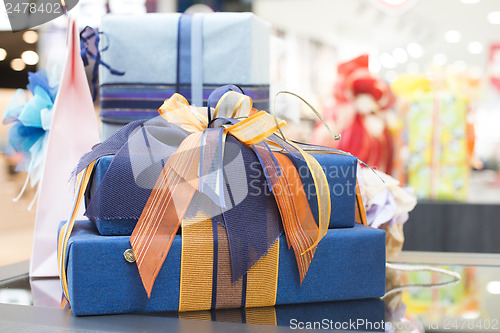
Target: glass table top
point(472, 304)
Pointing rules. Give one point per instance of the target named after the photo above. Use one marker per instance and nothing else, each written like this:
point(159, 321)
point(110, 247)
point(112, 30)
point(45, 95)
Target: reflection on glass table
point(473, 304)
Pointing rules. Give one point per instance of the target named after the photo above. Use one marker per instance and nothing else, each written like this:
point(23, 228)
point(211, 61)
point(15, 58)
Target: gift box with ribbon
point(349, 264)
point(158, 55)
point(116, 213)
point(250, 223)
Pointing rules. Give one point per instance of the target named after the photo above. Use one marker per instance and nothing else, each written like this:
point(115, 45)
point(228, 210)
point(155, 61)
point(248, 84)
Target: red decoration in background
point(355, 79)
point(365, 98)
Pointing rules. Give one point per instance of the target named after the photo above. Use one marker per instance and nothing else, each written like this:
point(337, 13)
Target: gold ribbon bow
point(170, 198)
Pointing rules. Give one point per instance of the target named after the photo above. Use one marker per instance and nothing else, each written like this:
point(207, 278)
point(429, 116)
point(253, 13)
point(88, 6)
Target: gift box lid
point(235, 48)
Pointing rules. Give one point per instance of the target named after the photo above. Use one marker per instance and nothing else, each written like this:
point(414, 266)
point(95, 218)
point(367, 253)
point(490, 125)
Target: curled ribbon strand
point(164, 210)
point(334, 136)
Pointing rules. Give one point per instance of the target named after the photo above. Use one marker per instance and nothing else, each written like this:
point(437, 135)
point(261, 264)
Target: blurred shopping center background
point(412, 85)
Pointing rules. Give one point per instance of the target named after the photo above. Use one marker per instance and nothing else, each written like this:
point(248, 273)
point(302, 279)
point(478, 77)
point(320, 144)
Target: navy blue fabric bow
point(86, 37)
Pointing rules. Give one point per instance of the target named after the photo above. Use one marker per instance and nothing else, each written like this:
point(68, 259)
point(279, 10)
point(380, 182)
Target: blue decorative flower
point(30, 119)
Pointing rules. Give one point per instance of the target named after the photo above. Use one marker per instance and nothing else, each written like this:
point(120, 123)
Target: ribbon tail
point(85, 36)
point(35, 197)
point(164, 210)
point(111, 70)
point(68, 226)
point(298, 221)
point(323, 194)
point(211, 165)
point(25, 185)
point(360, 207)
point(268, 162)
point(85, 59)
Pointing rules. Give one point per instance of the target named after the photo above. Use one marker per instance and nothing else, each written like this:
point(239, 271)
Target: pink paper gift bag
point(73, 132)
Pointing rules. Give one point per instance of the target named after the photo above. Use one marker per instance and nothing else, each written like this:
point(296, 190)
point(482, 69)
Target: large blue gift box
point(190, 54)
point(349, 264)
point(246, 201)
point(116, 212)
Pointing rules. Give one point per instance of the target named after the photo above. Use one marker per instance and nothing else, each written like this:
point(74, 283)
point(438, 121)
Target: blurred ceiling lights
point(3, 54)
point(475, 47)
point(30, 57)
point(494, 17)
point(452, 36)
point(414, 50)
point(387, 60)
point(17, 64)
point(30, 36)
point(471, 315)
point(440, 59)
point(400, 55)
point(493, 287)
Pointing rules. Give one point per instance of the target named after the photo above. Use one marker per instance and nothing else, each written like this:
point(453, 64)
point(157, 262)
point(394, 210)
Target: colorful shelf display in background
point(424, 137)
point(437, 139)
point(438, 165)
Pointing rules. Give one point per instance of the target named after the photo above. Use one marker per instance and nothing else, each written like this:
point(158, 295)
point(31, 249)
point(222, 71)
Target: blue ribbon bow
point(85, 42)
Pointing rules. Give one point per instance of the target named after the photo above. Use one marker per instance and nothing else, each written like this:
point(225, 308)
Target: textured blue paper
point(349, 264)
point(122, 226)
point(340, 171)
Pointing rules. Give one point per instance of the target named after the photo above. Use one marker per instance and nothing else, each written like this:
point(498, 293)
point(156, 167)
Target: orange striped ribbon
point(298, 221)
point(162, 215)
point(360, 213)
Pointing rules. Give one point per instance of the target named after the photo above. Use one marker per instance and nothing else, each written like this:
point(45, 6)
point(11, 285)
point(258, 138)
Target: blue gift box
point(190, 54)
point(108, 213)
point(349, 263)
